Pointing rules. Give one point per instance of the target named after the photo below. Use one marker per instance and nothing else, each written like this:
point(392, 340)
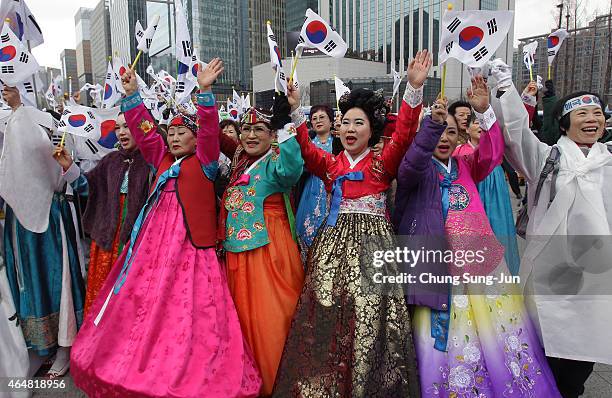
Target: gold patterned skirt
point(346, 341)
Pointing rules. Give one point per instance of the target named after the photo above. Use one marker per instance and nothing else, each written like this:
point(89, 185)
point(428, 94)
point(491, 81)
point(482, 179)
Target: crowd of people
point(208, 258)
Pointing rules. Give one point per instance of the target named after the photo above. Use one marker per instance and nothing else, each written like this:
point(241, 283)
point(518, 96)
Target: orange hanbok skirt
point(100, 263)
point(266, 284)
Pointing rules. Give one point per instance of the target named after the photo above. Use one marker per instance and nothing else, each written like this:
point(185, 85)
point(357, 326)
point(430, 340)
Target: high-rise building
point(582, 62)
point(392, 31)
point(68, 59)
point(259, 13)
point(82, 22)
point(100, 40)
point(123, 17)
point(295, 10)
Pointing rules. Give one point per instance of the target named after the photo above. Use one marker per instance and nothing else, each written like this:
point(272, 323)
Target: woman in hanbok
point(116, 188)
point(264, 268)
point(164, 323)
point(566, 266)
point(313, 204)
point(493, 192)
point(482, 343)
point(347, 339)
point(40, 238)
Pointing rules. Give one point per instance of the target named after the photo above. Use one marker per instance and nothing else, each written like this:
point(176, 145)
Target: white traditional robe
point(568, 259)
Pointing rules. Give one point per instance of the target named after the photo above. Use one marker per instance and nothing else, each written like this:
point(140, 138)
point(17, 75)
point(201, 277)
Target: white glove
point(501, 72)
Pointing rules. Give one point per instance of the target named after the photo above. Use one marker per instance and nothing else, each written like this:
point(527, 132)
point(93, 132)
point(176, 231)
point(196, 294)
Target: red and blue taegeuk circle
point(121, 71)
point(234, 113)
point(552, 41)
point(587, 99)
point(278, 55)
point(77, 120)
point(108, 91)
point(195, 68)
point(316, 31)
point(470, 37)
point(7, 53)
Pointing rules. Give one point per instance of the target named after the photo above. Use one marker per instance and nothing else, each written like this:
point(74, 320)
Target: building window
point(491, 5)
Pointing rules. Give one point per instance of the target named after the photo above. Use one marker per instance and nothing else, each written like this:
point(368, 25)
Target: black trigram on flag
point(180, 87)
point(301, 39)
point(140, 33)
point(481, 53)
point(272, 37)
point(449, 47)
point(24, 58)
point(149, 41)
point(91, 146)
point(281, 76)
point(492, 25)
point(187, 51)
point(454, 25)
point(62, 124)
point(28, 87)
point(89, 128)
point(108, 76)
point(330, 46)
point(91, 115)
point(5, 38)
point(551, 53)
point(7, 69)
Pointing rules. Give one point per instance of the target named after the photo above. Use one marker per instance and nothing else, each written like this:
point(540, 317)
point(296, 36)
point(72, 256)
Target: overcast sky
point(56, 19)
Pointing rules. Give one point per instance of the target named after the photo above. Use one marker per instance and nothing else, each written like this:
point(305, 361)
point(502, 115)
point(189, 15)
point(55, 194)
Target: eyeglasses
point(257, 130)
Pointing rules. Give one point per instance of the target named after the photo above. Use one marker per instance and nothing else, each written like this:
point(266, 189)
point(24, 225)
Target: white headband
point(580, 102)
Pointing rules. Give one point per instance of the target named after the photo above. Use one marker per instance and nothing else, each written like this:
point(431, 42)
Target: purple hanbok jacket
point(418, 204)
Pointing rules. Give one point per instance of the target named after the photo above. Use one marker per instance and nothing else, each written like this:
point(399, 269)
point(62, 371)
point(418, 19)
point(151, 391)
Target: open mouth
point(124, 141)
point(443, 148)
point(319, 125)
point(589, 130)
point(176, 147)
point(350, 139)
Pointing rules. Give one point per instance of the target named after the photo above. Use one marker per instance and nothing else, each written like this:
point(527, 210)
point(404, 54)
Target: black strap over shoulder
point(551, 166)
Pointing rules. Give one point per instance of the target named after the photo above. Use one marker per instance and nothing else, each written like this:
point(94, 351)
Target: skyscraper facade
point(82, 22)
point(100, 40)
point(68, 59)
point(123, 17)
point(392, 31)
point(295, 10)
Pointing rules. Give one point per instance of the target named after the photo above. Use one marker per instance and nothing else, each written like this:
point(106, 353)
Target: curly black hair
point(373, 104)
point(564, 121)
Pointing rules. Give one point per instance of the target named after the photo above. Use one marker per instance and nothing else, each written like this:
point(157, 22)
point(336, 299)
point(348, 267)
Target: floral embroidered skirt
point(266, 283)
point(345, 342)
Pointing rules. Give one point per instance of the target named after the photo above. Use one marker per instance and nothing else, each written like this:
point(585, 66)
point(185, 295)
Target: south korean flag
point(529, 52)
point(144, 38)
point(80, 121)
point(554, 42)
point(276, 61)
point(316, 33)
point(16, 62)
point(473, 36)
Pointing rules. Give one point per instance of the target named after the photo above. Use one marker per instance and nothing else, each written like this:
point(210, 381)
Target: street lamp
point(560, 7)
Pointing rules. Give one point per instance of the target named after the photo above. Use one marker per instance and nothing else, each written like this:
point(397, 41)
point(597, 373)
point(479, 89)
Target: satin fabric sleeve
point(417, 159)
point(530, 105)
point(405, 130)
point(523, 149)
point(208, 144)
point(317, 160)
point(490, 150)
point(150, 143)
point(290, 164)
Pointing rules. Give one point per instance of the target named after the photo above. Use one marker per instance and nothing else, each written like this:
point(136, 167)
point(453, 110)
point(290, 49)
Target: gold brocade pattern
point(41, 332)
point(344, 342)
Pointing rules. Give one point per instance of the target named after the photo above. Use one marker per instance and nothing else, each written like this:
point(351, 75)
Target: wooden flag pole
point(443, 83)
point(63, 139)
point(549, 72)
point(530, 73)
point(136, 59)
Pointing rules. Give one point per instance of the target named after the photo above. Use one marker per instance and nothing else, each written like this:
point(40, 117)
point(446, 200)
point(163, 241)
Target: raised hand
point(77, 97)
point(418, 69)
point(478, 95)
point(60, 154)
point(439, 110)
point(293, 96)
point(208, 75)
point(129, 82)
point(531, 89)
